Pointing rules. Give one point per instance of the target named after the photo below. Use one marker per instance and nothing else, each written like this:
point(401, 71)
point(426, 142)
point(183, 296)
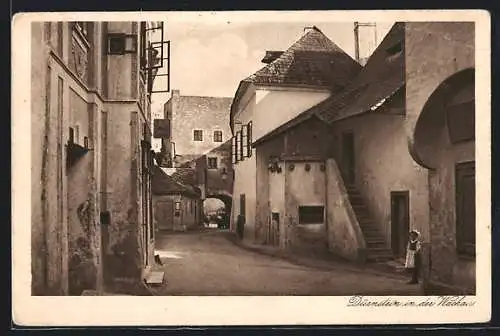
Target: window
point(233, 150)
point(311, 214)
point(198, 135)
point(212, 163)
point(394, 49)
point(249, 139)
point(217, 136)
point(119, 44)
point(244, 141)
point(461, 122)
point(239, 150)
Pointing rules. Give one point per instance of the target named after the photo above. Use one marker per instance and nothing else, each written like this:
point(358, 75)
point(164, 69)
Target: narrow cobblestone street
point(207, 263)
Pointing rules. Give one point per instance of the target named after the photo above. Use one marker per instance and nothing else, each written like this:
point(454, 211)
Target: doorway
point(400, 221)
point(164, 214)
point(348, 161)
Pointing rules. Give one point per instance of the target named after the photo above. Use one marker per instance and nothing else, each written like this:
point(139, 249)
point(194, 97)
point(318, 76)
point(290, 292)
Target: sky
point(210, 58)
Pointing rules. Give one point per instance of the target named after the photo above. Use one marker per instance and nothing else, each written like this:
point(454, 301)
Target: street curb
point(376, 270)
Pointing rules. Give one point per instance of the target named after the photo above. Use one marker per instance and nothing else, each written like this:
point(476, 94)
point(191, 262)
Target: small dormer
point(271, 55)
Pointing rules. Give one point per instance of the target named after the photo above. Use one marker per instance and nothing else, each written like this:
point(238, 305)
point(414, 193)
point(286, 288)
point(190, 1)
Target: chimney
point(365, 41)
point(270, 56)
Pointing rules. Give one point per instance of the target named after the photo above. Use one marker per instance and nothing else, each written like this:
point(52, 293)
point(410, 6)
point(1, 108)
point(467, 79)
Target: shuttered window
point(238, 147)
point(233, 150)
point(244, 141)
point(249, 139)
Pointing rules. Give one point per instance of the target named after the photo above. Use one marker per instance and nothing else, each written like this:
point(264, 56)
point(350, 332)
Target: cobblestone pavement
point(207, 263)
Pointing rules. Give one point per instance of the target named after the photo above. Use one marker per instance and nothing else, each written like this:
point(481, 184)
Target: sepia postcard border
point(249, 310)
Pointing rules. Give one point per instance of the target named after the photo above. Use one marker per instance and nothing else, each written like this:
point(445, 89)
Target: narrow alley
point(207, 263)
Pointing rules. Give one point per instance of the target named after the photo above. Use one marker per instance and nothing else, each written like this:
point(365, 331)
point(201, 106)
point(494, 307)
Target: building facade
point(92, 209)
point(196, 140)
point(290, 83)
point(440, 102)
point(192, 126)
point(177, 207)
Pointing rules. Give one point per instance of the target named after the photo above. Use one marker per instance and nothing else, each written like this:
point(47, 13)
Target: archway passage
point(447, 119)
point(217, 211)
point(444, 143)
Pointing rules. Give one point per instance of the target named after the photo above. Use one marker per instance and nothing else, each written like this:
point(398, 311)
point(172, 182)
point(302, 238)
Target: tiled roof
point(163, 184)
point(313, 60)
point(186, 176)
point(380, 79)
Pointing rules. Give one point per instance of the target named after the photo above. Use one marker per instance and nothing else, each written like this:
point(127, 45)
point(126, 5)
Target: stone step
point(375, 243)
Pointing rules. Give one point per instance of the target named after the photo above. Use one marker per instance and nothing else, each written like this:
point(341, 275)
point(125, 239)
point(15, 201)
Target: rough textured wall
point(263, 152)
point(383, 164)
point(39, 127)
point(427, 66)
point(83, 270)
point(208, 114)
point(276, 203)
point(345, 237)
point(245, 183)
point(123, 252)
point(304, 187)
point(122, 69)
point(447, 265)
point(215, 184)
point(310, 138)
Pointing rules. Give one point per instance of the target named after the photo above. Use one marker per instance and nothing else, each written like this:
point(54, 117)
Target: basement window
point(311, 214)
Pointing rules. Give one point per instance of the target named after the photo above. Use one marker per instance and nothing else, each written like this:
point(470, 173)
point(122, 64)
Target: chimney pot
point(271, 55)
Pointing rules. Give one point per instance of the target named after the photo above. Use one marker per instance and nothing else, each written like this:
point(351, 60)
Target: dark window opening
point(119, 44)
point(116, 44)
point(212, 163)
point(217, 136)
point(198, 135)
point(397, 48)
point(311, 214)
point(461, 122)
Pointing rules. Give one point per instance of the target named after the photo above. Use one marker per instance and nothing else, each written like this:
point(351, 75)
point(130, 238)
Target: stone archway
point(226, 200)
point(432, 120)
point(443, 141)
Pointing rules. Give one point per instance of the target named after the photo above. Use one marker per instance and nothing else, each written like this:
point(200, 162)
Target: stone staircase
point(376, 245)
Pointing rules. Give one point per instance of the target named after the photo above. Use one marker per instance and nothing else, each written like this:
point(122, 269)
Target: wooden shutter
point(244, 141)
point(249, 139)
point(238, 146)
point(233, 150)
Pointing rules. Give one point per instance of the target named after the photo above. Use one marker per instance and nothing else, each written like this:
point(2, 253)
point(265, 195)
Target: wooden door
point(466, 207)
point(164, 215)
point(348, 154)
point(400, 221)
